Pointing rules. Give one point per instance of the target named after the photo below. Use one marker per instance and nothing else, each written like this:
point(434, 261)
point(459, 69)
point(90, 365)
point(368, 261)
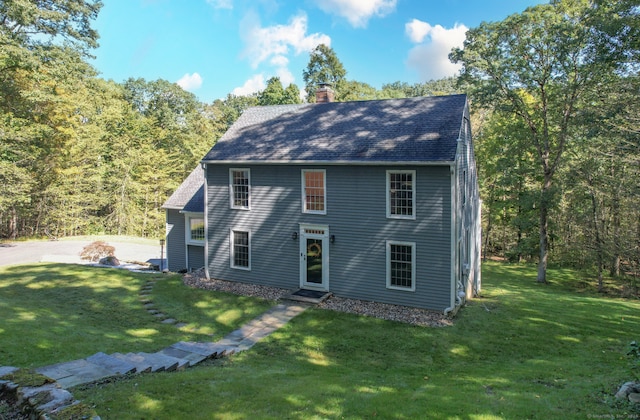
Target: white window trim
point(187, 228)
point(231, 192)
point(413, 193)
point(232, 250)
point(304, 191)
point(413, 266)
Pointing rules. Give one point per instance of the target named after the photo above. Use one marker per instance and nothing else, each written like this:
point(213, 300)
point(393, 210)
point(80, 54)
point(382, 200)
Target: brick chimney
point(324, 93)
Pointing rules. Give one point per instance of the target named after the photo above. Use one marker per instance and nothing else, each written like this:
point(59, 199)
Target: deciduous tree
point(536, 65)
point(275, 94)
point(324, 67)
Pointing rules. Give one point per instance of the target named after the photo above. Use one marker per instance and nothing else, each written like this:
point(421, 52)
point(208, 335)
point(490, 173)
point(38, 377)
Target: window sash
point(401, 193)
point(196, 229)
point(401, 265)
point(314, 199)
point(240, 249)
point(240, 188)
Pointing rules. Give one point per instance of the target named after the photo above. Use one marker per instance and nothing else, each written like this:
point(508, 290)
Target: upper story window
point(401, 192)
point(240, 188)
point(465, 129)
point(314, 199)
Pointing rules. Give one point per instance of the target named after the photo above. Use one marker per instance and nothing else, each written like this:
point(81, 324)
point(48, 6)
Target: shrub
point(96, 250)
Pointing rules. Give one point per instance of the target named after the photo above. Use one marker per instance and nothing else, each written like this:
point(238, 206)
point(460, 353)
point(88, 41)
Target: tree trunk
point(598, 238)
point(544, 229)
point(487, 231)
point(544, 242)
point(519, 235)
point(13, 223)
point(486, 239)
point(615, 210)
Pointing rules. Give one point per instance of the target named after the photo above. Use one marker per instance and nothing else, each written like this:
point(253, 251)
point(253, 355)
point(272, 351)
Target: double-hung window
point(195, 235)
point(401, 265)
point(240, 249)
point(240, 188)
point(401, 193)
point(314, 198)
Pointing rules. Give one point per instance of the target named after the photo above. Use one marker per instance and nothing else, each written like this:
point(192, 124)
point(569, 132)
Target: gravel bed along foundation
point(404, 314)
point(198, 280)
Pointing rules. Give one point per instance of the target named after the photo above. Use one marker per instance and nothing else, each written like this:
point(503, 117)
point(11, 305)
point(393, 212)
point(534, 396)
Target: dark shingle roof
point(190, 194)
point(423, 129)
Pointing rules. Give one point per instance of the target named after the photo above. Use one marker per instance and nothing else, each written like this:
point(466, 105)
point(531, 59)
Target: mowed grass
point(53, 313)
point(521, 351)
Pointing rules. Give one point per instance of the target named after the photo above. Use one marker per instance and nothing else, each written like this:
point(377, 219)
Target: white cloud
point(416, 30)
point(253, 85)
point(278, 40)
point(221, 4)
point(190, 82)
point(286, 77)
point(431, 57)
point(279, 61)
point(357, 12)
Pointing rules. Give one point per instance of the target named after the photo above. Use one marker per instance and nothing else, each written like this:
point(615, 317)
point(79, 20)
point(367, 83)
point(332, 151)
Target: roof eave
point(170, 207)
point(329, 162)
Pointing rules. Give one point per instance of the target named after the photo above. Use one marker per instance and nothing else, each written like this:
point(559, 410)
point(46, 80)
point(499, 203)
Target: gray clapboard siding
point(177, 251)
point(176, 258)
point(196, 257)
point(356, 215)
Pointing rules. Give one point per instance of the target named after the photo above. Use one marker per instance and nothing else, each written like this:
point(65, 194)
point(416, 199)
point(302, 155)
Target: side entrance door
point(314, 257)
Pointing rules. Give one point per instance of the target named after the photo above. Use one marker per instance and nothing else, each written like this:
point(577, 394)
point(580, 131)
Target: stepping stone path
point(176, 357)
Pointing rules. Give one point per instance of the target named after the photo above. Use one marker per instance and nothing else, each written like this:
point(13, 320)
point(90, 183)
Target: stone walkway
point(178, 356)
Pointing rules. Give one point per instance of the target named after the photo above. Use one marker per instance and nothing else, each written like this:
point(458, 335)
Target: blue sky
point(216, 47)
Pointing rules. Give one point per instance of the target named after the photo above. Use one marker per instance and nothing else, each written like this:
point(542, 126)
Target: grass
point(204, 312)
point(60, 312)
point(522, 350)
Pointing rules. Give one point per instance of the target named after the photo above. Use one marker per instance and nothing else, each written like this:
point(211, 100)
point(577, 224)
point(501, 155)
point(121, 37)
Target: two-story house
point(374, 200)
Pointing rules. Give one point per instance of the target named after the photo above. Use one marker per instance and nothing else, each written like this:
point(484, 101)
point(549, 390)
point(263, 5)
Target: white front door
point(314, 257)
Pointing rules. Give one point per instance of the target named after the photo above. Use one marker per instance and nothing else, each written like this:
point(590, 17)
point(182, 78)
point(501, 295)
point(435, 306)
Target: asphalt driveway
point(68, 251)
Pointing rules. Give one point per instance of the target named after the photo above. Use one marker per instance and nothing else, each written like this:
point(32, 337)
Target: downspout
point(206, 223)
point(166, 239)
point(453, 241)
point(186, 240)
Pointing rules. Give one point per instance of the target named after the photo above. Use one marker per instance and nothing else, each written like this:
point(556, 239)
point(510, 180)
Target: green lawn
point(523, 350)
point(60, 312)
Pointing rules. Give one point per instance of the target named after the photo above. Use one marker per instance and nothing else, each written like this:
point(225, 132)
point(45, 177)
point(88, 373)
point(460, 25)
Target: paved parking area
point(68, 251)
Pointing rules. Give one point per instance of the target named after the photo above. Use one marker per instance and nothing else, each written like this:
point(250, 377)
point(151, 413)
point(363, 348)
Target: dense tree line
point(82, 155)
point(554, 105)
point(558, 146)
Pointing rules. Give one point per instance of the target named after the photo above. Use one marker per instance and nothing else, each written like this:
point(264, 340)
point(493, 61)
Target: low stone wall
point(36, 396)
